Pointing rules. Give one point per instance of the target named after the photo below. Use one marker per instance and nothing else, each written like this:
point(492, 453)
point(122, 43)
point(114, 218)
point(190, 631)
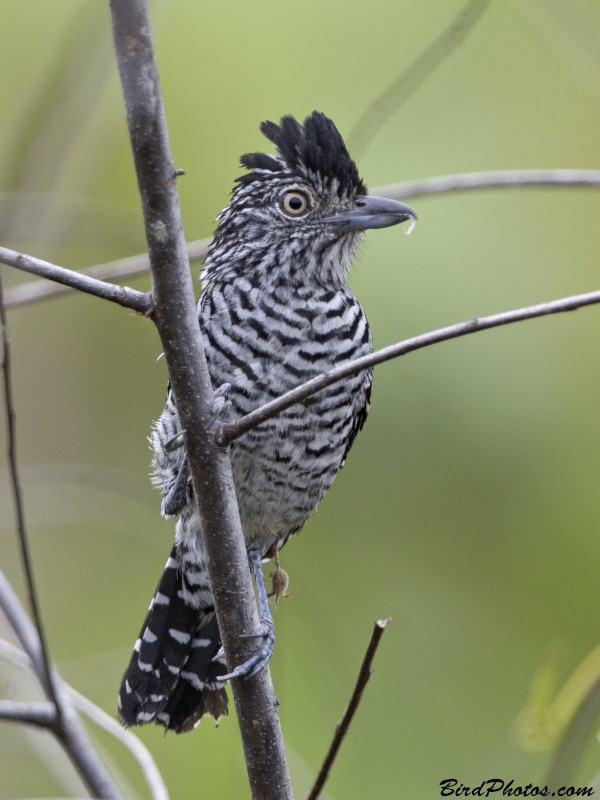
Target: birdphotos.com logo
point(497, 788)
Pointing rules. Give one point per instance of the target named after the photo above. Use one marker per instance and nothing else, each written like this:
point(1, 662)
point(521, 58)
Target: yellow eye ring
point(295, 203)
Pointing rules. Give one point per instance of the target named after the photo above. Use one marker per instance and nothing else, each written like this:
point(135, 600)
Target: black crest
point(315, 148)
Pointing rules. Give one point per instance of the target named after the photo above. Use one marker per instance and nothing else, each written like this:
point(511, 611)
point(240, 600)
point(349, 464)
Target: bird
point(275, 311)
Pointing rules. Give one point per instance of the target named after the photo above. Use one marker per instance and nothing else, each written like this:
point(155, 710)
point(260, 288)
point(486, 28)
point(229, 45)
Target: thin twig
point(34, 291)
point(498, 179)
point(67, 727)
point(176, 319)
point(43, 715)
point(128, 739)
point(21, 625)
point(122, 295)
point(17, 491)
point(232, 430)
point(382, 108)
point(342, 727)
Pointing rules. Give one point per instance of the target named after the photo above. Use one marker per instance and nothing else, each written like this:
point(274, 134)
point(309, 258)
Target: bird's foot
point(260, 659)
point(266, 632)
point(279, 581)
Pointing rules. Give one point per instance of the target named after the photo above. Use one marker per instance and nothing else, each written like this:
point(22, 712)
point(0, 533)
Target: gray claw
point(256, 663)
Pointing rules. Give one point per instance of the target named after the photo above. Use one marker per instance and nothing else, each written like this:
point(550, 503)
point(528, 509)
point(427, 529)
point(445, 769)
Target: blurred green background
point(469, 508)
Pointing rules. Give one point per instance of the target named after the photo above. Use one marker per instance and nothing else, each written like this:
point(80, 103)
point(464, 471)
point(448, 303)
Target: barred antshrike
point(275, 311)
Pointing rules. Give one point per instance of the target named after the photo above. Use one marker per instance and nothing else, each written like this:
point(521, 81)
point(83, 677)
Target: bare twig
point(343, 725)
point(498, 179)
point(35, 291)
point(232, 430)
point(123, 296)
point(21, 625)
point(128, 739)
point(382, 108)
point(67, 727)
point(9, 408)
point(41, 714)
point(177, 323)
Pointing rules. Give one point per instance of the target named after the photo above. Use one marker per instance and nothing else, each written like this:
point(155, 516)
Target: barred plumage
point(275, 311)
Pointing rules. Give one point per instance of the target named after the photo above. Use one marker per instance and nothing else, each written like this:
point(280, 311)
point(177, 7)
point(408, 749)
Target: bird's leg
point(177, 497)
point(279, 581)
point(267, 629)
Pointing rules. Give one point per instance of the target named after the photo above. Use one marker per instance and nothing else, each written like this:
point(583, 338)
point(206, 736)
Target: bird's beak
point(371, 212)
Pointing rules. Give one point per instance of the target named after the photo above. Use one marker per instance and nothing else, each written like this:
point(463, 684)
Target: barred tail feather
point(172, 675)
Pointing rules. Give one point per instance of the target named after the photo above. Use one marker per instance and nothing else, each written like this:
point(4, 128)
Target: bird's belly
point(283, 468)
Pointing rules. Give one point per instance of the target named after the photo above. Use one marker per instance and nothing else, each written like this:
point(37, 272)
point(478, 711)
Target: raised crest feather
point(315, 148)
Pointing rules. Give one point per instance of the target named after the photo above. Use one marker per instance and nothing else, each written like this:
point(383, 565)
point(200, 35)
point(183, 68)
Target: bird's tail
point(172, 678)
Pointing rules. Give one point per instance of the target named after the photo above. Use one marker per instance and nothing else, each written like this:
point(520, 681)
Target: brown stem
point(67, 726)
point(177, 323)
point(34, 291)
point(346, 720)
point(129, 298)
point(232, 430)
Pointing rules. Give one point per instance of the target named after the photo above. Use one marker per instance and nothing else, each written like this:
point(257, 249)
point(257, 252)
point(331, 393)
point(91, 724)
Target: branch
point(35, 291)
point(128, 739)
point(177, 323)
point(121, 295)
point(21, 625)
point(41, 714)
point(45, 677)
point(382, 108)
point(343, 725)
point(491, 180)
point(233, 430)
point(66, 724)
point(67, 727)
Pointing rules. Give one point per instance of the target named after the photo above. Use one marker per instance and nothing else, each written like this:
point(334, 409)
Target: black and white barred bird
point(275, 311)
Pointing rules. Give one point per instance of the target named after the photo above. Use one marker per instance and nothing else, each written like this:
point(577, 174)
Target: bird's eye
point(295, 203)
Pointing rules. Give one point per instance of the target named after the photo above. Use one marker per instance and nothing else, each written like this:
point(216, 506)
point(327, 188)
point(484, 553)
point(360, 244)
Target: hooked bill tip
point(408, 225)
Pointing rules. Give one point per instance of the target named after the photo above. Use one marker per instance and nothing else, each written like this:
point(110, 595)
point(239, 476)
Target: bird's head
point(299, 213)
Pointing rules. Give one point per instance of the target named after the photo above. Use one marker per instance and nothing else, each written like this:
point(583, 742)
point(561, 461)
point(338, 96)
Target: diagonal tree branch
point(129, 740)
point(45, 677)
point(129, 298)
point(344, 724)
point(177, 323)
point(34, 291)
point(232, 430)
point(382, 108)
point(67, 728)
